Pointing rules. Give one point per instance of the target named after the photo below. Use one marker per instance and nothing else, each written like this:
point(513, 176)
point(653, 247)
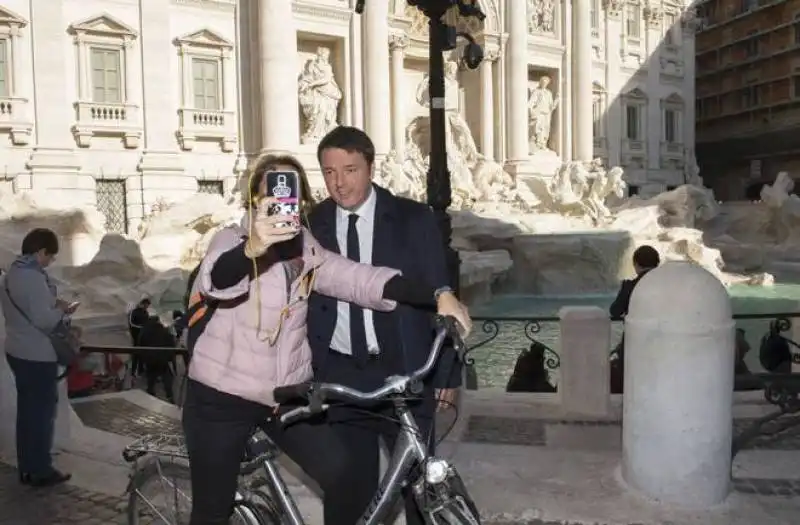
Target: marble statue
point(462, 152)
point(319, 96)
point(542, 16)
point(691, 170)
point(394, 178)
point(541, 106)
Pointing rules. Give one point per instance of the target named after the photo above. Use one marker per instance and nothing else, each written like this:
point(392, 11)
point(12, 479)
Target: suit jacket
point(406, 237)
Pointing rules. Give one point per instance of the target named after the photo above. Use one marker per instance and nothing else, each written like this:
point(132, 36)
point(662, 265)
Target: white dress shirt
point(365, 226)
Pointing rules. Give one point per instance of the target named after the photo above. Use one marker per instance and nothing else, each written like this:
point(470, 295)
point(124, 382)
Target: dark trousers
point(160, 373)
point(37, 402)
point(217, 426)
point(360, 431)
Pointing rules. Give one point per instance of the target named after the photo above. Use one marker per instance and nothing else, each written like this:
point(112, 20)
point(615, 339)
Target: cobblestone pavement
point(63, 505)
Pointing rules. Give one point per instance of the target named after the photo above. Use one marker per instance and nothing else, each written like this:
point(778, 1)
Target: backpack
point(198, 314)
point(774, 352)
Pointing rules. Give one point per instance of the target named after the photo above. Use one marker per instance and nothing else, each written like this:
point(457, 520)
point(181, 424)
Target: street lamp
point(443, 36)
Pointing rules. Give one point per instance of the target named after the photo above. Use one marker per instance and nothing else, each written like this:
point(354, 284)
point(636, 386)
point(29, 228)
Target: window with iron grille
point(214, 187)
point(113, 204)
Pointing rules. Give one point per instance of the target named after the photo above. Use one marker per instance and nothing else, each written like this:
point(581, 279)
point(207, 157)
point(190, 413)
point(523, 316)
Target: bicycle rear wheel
point(171, 501)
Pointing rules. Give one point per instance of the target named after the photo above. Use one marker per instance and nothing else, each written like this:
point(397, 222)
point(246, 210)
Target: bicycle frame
point(409, 450)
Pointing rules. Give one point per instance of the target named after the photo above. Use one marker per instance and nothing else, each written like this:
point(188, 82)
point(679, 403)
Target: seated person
point(774, 352)
point(645, 258)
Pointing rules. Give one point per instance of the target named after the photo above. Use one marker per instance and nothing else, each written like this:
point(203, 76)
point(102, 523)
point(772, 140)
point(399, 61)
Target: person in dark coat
point(158, 364)
point(645, 258)
point(137, 317)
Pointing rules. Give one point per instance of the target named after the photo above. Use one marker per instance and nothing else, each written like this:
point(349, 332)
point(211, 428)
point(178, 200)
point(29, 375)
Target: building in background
point(748, 94)
point(124, 103)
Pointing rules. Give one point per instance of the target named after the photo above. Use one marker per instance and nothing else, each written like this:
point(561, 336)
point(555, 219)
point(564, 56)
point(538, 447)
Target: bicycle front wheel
point(454, 506)
point(160, 494)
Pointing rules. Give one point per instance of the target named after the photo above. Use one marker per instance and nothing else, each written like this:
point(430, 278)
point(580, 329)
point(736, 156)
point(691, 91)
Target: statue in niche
point(319, 96)
point(542, 16)
point(541, 106)
point(462, 153)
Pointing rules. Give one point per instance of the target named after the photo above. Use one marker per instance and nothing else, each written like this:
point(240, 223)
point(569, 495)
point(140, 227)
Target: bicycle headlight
point(436, 471)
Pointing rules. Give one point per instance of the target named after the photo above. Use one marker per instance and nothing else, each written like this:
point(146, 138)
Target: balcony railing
point(95, 119)
point(207, 125)
point(14, 119)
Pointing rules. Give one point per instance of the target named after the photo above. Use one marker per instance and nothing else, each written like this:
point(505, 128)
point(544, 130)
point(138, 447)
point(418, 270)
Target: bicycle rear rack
point(162, 445)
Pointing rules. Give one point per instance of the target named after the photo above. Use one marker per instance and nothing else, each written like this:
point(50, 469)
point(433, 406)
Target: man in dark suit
point(359, 347)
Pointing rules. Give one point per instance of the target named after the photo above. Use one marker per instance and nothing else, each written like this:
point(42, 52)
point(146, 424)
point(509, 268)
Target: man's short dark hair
point(646, 257)
point(40, 239)
point(350, 139)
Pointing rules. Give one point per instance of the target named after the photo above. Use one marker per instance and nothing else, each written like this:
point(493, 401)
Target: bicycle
point(440, 492)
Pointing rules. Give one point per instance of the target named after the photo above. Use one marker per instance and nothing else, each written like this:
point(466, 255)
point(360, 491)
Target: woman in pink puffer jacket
point(262, 274)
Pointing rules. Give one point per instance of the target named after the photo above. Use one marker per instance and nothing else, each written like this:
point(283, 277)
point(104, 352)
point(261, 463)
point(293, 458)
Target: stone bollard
point(585, 366)
point(678, 402)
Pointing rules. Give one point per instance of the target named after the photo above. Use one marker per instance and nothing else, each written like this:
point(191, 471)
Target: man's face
point(348, 177)
point(45, 259)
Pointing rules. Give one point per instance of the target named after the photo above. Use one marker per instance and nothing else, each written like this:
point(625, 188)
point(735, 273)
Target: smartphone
point(285, 187)
point(74, 305)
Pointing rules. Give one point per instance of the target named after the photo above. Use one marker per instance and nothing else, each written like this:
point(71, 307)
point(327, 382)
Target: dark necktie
point(358, 333)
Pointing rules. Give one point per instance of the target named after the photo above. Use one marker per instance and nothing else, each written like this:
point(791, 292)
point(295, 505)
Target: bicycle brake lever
point(316, 403)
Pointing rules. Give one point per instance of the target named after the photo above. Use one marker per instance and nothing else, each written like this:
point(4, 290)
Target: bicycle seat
point(259, 445)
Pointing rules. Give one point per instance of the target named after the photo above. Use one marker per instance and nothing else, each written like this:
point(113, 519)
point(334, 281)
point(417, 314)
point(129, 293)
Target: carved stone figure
point(541, 106)
point(394, 178)
point(319, 96)
point(461, 148)
point(542, 15)
point(604, 184)
point(691, 170)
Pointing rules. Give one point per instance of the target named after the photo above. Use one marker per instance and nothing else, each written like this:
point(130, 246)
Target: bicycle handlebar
point(318, 394)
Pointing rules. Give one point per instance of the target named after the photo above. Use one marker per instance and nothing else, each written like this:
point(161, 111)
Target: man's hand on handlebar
point(448, 305)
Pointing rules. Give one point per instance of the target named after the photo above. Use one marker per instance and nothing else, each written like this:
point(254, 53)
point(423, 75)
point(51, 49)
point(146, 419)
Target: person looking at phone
point(360, 347)
point(32, 311)
point(262, 273)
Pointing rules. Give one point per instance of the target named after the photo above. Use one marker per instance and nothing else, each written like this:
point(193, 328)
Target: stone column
point(583, 146)
point(277, 39)
point(397, 44)
point(53, 163)
point(517, 83)
point(688, 28)
point(585, 368)
point(487, 104)
point(377, 88)
point(615, 107)
point(678, 403)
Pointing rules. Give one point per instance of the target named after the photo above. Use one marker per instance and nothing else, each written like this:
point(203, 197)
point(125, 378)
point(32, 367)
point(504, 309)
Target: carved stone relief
point(542, 16)
point(652, 16)
point(613, 7)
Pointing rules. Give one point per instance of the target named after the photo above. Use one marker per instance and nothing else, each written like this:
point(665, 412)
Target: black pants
point(360, 433)
point(160, 373)
point(217, 426)
point(37, 402)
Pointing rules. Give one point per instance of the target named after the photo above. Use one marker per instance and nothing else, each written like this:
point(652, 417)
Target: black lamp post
point(442, 38)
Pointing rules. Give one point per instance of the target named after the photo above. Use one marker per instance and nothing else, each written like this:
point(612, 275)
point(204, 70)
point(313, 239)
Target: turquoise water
point(495, 360)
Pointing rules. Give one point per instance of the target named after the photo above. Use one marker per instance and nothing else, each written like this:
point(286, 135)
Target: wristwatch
point(439, 291)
